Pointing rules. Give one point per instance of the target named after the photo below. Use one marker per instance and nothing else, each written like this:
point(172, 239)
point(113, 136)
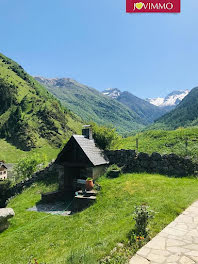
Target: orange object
point(89, 185)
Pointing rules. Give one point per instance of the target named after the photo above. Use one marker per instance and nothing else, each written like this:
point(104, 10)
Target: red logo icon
point(153, 6)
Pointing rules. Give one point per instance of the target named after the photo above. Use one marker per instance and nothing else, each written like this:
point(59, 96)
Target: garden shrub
point(113, 171)
point(27, 166)
point(141, 216)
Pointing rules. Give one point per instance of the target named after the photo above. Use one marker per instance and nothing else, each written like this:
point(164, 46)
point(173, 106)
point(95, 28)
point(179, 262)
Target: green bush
point(113, 171)
point(27, 166)
point(103, 136)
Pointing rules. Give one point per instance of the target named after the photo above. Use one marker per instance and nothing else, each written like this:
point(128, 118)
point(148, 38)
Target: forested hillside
point(30, 117)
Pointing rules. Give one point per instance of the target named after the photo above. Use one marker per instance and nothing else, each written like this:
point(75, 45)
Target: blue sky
point(98, 44)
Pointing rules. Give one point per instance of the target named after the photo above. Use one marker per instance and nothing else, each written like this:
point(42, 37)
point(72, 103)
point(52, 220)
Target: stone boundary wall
point(170, 164)
point(130, 161)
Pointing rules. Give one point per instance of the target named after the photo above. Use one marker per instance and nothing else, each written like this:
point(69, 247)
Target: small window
point(4, 172)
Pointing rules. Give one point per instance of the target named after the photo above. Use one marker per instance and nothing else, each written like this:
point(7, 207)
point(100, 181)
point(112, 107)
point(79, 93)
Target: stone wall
point(170, 164)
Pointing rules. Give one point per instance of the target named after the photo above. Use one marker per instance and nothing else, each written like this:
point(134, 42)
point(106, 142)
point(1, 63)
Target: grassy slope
point(92, 105)
point(91, 234)
point(43, 118)
point(163, 142)
point(11, 154)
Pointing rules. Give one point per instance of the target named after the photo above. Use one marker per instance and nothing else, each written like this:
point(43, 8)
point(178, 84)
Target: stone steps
point(88, 193)
point(82, 200)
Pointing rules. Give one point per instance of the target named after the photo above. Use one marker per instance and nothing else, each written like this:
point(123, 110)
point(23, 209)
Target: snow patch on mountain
point(112, 92)
point(171, 99)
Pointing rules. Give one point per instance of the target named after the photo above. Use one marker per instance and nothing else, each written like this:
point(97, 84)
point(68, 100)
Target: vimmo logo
point(153, 6)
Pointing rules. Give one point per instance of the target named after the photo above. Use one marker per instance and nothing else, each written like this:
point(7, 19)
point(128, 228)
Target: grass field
point(90, 235)
point(11, 154)
point(164, 142)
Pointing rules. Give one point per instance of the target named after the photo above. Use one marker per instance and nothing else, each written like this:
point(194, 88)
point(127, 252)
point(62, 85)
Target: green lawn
point(163, 141)
point(90, 235)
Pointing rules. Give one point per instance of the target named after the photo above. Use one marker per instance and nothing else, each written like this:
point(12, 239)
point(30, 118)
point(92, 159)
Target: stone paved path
point(57, 208)
point(175, 244)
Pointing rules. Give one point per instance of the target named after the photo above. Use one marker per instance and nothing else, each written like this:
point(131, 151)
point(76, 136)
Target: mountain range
point(147, 111)
point(170, 101)
point(32, 116)
point(164, 103)
point(122, 110)
point(185, 114)
point(92, 105)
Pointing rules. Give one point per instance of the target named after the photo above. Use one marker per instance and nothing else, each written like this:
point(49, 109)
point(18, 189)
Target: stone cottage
point(3, 171)
point(80, 159)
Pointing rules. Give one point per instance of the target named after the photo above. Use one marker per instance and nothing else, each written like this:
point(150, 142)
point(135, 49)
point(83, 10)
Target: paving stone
point(138, 260)
point(156, 258)
point(185, 260)
point(195, 240)
point(193, 233)
point(175, 244)
point(171, 262)
point(162, 234)
point(173, 258)
point(186, 239)
point(177, 249)
point(144, 251)
point(193, 247)
point(164, 253)
point(157, 243)
point(195, 259)
point(181, 226)
point(192, 253)
point(176, 232)
point(195, 204)
point(196, 219)
point(185, 219)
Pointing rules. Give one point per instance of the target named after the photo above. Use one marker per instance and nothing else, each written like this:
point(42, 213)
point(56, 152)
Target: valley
point(33, 120)
point(39, 116)
point(98, 132)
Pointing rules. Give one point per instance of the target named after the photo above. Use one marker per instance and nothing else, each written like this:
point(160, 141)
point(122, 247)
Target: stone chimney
point(87, 132)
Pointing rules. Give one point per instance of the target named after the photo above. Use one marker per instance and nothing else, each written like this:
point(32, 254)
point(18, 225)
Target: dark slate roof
point(3, 165)
point(94, 154)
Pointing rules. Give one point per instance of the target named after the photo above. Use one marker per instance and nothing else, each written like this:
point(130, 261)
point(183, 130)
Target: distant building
point(3, 171)
point(80, 159)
